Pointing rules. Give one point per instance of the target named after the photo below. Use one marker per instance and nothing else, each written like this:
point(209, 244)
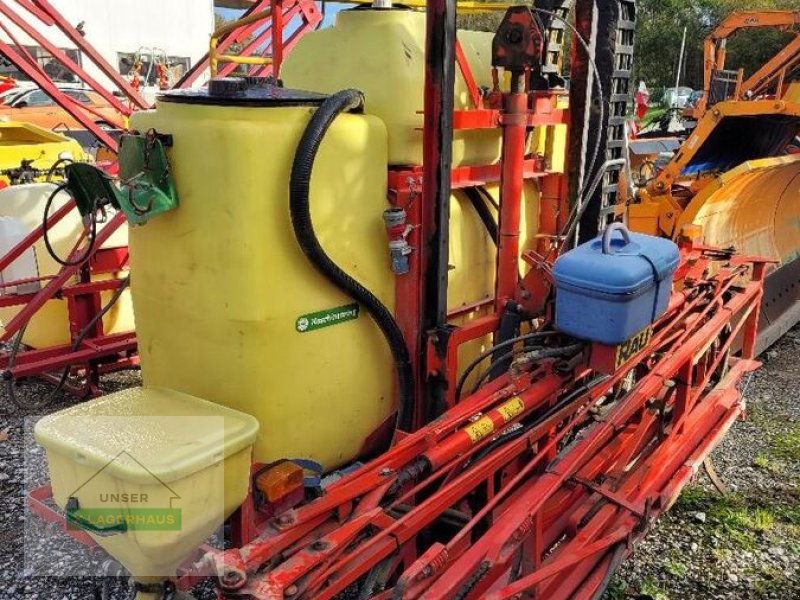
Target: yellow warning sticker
point(512, 408)
point(479, 429)
point(632, 347)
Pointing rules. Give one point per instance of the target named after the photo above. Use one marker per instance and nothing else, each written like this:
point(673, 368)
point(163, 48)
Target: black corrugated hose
point(299, 187)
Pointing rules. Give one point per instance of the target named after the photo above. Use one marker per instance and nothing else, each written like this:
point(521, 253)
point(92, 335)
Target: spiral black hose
point(299, 189)
point(92, 235)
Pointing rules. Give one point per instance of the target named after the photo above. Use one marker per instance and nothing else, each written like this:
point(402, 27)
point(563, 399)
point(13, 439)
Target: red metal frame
point(269, 37)
point(570, 518)
point(63, 58)
point(54, 17)
point(540, 481)
point(98, 352)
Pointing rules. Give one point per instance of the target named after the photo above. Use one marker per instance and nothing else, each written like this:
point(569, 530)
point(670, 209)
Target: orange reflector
point(693, 233)
point(280, 480)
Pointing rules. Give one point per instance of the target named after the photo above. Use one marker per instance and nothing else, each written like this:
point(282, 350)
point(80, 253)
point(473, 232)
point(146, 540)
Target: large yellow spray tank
point(228, 307)
point(382, 53)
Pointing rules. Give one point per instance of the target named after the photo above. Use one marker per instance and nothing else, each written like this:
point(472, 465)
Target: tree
point(660, 28)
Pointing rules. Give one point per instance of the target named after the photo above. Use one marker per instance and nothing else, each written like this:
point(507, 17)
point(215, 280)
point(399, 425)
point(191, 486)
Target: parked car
point(676, 97)
point(32, 105)
point(694, 98)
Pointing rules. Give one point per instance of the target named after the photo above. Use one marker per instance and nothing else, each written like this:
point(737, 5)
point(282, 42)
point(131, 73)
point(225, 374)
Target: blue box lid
point(628, 263)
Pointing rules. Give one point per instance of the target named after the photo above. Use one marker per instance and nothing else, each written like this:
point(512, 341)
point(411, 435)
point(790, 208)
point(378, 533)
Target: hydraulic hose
point(92, 234)
point(300, 210)
point(478, 201)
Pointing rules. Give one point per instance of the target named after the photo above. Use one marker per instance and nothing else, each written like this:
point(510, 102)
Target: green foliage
point(767, 464)
point(651, 587)
point(787, 444)
point(617, 590)
point(675, 566)
point(732, 516)
point(660, 29)
point(789, 512)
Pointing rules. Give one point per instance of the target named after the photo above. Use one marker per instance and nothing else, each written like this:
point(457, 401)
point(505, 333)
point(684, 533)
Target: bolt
point(514, 36)
point(284, 519)
point(290, 591)
point(231, 578)
point(385, 472)
point(319, 545)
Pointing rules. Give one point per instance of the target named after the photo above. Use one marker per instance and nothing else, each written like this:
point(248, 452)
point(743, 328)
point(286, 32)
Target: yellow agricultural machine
point(394, 332)
point(734, 181)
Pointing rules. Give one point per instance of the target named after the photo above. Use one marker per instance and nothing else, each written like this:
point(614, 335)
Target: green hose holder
point(145, 189)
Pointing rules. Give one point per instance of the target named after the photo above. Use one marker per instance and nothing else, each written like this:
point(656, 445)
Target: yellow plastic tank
point(229, 308)
point(151, 472)
point(382, 53)
point(23, 141)
point(21, 211)
point(473, 258)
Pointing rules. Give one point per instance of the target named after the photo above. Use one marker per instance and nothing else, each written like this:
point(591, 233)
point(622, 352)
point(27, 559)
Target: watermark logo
point(102, 506)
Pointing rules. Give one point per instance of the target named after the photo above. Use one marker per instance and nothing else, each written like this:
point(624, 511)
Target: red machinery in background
point(269, 28)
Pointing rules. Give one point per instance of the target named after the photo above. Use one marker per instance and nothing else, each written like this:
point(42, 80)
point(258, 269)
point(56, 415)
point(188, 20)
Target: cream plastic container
point(144, 455)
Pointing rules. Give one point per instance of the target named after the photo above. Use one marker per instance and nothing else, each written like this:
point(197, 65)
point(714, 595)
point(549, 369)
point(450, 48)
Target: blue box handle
point(658, 262)
point(610, 231)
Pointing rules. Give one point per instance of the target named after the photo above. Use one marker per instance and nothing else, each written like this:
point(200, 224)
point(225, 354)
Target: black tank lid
point(244, 91)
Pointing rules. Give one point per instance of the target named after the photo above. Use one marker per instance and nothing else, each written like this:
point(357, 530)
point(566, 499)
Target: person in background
point(642, 100)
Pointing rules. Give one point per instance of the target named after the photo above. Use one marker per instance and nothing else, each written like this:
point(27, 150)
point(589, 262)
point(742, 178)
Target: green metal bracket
point(147, 184)
point(145, 189)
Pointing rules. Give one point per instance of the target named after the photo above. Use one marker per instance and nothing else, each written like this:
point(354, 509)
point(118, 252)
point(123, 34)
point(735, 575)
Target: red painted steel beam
point(278, 23)
point(64, 59)
point(514, 123)
point(50, 291)
point(33, 363)
point(469, 79)
point(41, 79)
point(88, 50)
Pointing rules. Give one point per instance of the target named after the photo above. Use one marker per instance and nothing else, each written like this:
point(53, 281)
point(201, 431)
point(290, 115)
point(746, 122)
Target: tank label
point(326, 318)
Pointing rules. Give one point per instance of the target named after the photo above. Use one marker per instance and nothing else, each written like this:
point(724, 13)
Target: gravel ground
point(745, 544)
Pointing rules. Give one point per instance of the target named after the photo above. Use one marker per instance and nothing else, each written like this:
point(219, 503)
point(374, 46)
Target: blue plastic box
point(612, 287)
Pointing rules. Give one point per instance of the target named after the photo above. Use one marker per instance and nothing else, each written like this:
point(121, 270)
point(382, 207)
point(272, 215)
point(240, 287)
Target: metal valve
point(398, 230)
